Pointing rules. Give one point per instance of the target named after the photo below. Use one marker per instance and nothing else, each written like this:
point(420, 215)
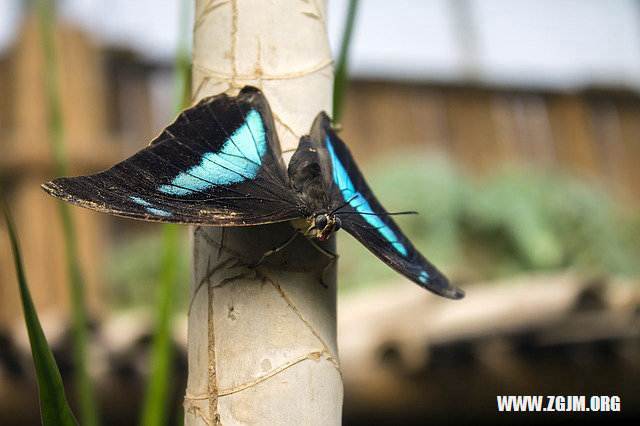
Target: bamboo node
point(230, 78)
point(190, 405)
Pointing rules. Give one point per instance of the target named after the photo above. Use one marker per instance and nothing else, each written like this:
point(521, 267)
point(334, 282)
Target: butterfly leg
point(330, 255)
point(274, 250)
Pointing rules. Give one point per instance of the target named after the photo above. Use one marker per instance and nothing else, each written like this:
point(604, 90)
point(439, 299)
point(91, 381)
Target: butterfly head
point(321, 226)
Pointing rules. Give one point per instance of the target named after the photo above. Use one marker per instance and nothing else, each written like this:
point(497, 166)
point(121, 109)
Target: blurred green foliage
point(474, 228)
point(134, 268)
point(513, 221)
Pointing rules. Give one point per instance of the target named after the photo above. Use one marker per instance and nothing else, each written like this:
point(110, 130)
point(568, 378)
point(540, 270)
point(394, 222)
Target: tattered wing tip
point(251, 89)
point(51, 188)
point(56, 190)
point(450, 292)
point(322, 121)
point(253, 95)
point(456, 293)
point(442, 287)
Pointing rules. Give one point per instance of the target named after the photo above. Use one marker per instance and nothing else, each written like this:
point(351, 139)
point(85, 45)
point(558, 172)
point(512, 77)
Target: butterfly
point(219, 163)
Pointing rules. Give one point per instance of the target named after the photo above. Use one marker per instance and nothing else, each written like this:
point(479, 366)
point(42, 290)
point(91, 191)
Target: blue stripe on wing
point(359, 203)
point(239, 159)
point(149, 207)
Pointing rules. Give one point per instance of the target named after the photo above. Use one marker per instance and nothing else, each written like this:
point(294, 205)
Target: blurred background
point(512, 127)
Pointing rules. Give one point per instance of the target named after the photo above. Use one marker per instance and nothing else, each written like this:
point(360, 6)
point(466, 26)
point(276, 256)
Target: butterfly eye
point(337, 224)
point(321, 222)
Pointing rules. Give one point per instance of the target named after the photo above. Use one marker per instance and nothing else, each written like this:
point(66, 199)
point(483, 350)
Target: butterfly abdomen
point(307, 179)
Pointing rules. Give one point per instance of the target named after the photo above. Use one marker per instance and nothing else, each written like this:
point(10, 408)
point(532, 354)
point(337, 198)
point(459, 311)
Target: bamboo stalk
point(262, 342)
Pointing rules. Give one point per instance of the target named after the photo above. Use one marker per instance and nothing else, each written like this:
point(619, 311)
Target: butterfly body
point(219, 164)
point(308, 171)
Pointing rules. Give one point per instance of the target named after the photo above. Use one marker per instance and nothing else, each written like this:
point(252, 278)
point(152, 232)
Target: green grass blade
point(155, 408)
point(340, 80)
point(54, 408)
point(83, 386)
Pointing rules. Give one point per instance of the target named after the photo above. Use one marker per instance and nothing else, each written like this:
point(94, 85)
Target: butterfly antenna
point(342, 205)
point(382, 214)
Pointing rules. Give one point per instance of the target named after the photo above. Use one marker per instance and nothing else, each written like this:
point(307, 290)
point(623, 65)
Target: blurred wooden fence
point(592, 132)
point(26, 162)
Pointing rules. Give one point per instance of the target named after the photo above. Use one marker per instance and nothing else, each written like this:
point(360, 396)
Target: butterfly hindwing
point(218, 163)
point(363, 216)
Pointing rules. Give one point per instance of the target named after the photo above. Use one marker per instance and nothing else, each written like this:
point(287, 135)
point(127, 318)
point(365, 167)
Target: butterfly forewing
point(364, 217)
point(218, 164)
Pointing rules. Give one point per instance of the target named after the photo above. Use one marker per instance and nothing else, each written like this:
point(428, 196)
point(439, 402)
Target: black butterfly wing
point(218, 163)
point(364, 217)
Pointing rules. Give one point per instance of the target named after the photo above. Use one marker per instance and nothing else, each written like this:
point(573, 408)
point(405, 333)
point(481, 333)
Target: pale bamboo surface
point(262, 342)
